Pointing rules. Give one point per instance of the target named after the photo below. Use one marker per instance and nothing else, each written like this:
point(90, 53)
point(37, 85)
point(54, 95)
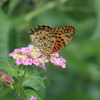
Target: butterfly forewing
point(42, 38)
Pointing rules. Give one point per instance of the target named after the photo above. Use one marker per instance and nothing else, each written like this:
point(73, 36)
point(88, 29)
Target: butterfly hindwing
point(63, 38)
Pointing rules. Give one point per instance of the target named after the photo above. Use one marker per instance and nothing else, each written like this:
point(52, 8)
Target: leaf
point(21, 91)
point(6, 67)
point(34, 82)
point(37, 84)
point(41, 93)
point(46, 81)
point(30, 93)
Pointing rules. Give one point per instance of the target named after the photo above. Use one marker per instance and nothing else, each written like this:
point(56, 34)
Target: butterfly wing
point(63, 37)
point(43, 38)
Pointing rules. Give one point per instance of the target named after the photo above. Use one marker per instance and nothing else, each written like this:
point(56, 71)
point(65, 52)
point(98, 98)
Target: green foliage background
point(81, 79)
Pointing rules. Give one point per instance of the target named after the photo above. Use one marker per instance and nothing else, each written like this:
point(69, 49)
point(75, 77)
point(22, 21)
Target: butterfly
point(51, 40)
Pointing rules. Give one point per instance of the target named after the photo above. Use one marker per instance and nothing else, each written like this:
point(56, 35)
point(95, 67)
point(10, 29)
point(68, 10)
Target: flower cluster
point(6, 79)
point(32, 56)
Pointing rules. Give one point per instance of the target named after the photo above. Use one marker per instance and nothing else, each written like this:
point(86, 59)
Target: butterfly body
point(51, 40)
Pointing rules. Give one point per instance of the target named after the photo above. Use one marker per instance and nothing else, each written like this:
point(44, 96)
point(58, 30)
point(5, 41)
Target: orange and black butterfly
point(51, 40)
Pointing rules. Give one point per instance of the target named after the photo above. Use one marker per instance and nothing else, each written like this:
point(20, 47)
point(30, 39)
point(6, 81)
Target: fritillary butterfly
point(50, 40)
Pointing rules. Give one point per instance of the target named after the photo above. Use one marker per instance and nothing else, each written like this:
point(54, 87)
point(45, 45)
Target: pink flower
point(33, 98)
point(12, 54)
point(53, 59)
point(26, 48)
point(42, 65)
point(62, 59)
point(56, 54)
point(62, 64)
point(8, 79)
point(2, 73)
point(17, 50)
point(36, 62)
point(19, 61)
point(28, 61)
point(27, 51)
point(58, 61)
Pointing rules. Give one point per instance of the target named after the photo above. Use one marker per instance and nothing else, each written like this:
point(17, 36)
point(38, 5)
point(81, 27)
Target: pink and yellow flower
point(32, 56)
point(6, 79)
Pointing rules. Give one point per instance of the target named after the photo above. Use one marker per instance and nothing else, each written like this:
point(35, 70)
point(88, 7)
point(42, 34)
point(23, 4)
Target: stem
point(41, 71)
point(15, 95)
point(24, 74)
point(45, 69)
point(36, 12)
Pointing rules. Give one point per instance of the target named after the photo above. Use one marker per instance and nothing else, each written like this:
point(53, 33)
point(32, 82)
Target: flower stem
point(44, 69)
point(15, 95)
point(36, 12)
point(24, 74)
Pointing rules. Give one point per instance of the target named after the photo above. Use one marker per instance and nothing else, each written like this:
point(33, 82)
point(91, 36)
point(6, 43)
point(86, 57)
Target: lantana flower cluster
point(32, 56)
point(6, 79)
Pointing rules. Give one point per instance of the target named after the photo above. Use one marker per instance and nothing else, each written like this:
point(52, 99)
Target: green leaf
point(21, 91)
point(6, 67)
point(34, 82)
point(37, 84)
point(30, 93)
point(41, 93)
point(46, 81)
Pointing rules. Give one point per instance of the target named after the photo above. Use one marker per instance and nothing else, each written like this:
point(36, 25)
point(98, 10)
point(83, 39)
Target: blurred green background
point(81, 79)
